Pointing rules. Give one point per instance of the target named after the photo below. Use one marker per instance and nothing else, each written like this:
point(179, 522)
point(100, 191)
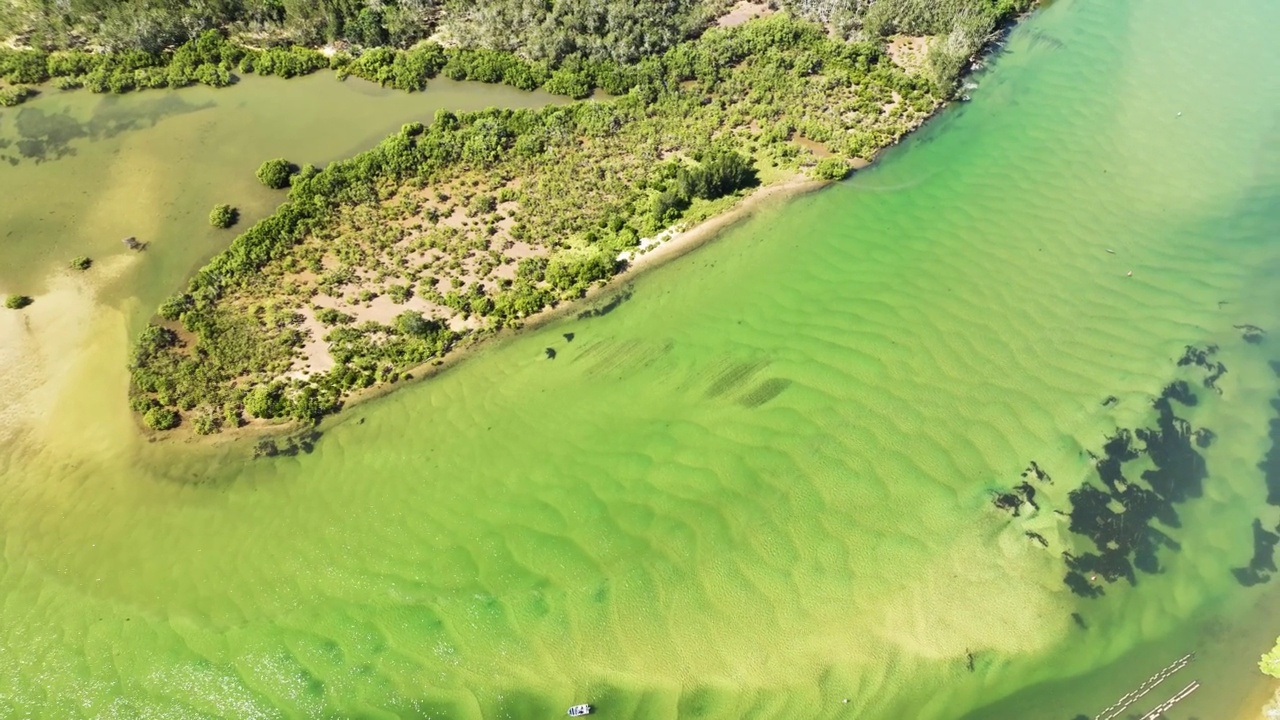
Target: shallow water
point(80, 171)
point(760, 485)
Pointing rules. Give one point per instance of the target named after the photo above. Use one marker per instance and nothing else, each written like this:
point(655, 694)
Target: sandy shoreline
point(680, 243)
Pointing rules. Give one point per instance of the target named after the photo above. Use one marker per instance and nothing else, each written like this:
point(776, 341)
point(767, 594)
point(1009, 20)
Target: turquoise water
point(760, 484)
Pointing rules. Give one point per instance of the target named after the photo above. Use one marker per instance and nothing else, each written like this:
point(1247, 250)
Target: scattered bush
point(17, 302)
point(399, 294)
point(161, 418)
point(275, 173)
point(81, 263)
point(224, 216)
point(329, 316)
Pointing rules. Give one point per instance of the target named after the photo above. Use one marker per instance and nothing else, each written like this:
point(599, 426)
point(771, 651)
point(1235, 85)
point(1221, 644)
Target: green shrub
point(831, 168)
point(69, 82)
point(399, 294)
point(482, 204)
point(16, 95)
point(81, 263)
point(569, 83)
point(142, 403)
point(24, 66)
point(223, 216)
point(161, 418)
point(17, 302)
point(173, 307)
point(412, 323)
point(266, 401)
point(206, 423)
point(329, 316)
point(1269, 664)
point(275, 173)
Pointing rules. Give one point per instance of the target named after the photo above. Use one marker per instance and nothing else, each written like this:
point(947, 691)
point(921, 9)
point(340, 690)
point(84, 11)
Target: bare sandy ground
point(744, 11)
point(662, 249)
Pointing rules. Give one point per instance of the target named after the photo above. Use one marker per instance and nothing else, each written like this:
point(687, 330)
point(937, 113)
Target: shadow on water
point(613, 302)
point(764, 392)
point(37, 135)
point(1270, 464)
point(301, 443)
point(1262, 565)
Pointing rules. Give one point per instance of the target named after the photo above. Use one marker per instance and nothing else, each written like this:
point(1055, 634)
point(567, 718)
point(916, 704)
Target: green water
point(756, 488)
point(80, 171)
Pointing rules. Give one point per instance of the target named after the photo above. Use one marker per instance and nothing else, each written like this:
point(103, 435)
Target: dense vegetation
point(209, 59)
point(959, 27)
point(153, 25)
point(568, 47)
point(384, 262)
point(622, 31)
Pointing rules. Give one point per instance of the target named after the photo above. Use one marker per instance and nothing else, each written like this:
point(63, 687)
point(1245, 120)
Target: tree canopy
point(224, 216)
point(274, 174)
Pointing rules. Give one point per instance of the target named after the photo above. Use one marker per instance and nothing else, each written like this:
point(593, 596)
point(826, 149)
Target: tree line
point(518, 42)
point(153, 25)
point(213, 59)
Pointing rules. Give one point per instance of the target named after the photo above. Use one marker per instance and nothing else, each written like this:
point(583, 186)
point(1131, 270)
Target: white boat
point(580, 710)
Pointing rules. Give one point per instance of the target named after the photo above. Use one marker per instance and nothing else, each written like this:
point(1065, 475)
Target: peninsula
point(444, 232)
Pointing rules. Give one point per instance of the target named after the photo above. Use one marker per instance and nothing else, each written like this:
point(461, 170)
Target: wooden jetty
point(1123, 703)
point(1168, 704)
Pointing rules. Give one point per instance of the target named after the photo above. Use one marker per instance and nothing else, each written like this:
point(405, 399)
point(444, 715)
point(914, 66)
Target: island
point(374, 268)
